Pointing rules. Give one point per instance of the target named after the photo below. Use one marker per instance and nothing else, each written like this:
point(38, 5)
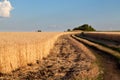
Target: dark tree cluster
point(39, 31)
point(84, 27)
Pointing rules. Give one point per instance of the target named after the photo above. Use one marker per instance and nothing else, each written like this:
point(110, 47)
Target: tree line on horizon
point(84, 27)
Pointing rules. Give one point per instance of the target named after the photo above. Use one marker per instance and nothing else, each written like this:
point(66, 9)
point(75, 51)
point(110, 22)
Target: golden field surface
point(17, 49)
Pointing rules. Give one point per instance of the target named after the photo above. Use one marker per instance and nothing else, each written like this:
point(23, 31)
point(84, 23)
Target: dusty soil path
point(65, 62)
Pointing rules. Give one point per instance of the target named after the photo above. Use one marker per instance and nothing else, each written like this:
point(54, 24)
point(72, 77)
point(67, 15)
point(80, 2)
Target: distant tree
point(68, 30)
point(39, 31)
point(85, 27)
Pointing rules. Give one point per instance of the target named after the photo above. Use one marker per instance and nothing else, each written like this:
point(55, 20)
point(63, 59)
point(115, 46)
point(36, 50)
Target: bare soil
point(65, 62)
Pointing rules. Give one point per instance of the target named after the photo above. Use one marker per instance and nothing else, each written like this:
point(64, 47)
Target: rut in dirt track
point(109, 65)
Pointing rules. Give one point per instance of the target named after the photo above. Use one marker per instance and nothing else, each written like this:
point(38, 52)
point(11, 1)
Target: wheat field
point(17, 49)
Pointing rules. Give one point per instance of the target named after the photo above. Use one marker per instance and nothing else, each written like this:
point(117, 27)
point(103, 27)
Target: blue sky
point(59, 15)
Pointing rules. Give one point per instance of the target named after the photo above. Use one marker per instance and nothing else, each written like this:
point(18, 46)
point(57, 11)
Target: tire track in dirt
point(108, 63)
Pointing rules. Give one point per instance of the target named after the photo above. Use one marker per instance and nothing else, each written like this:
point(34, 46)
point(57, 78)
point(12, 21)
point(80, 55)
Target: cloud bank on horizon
point(5, 8)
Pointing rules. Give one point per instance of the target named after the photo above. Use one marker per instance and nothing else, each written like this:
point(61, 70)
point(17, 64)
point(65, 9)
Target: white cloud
point(5, 8)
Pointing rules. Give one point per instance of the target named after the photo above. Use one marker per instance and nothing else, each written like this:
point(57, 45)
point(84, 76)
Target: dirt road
point(65, 62)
